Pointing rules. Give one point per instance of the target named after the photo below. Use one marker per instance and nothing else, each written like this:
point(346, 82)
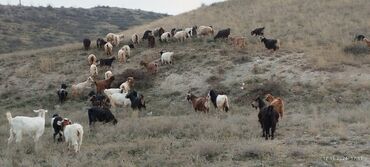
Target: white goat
point(121, 56)
point(205, 31)
point(78, 88)
point(33, 126)
point(135, 39)
point(126, 86)
point(73, 134)
point(181, 36)
point(91, 59)
point(165, 37)
point(115, 39)
point(108, 48)
point(93, 71)
point(127, 50)
point(111, 91)
point(166, 57)
point(108, 74)
point(119, 99)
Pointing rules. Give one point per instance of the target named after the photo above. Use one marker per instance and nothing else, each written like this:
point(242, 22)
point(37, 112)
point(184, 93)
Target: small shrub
point(357, 50)
point(143, 80)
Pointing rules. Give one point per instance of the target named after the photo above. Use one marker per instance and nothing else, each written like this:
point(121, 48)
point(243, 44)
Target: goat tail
point(226, 104)
point(9, 117)
point(80, 134)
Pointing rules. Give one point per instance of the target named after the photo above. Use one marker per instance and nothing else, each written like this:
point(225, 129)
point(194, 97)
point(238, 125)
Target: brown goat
point(199, 103)
point(150, 67)
point(277, 103)
point(103, 84)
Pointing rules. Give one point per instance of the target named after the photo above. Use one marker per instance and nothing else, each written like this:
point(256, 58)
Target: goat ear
point(36, 111)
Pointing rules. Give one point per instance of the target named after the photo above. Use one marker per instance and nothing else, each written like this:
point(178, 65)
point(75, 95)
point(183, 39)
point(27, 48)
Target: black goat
point(223, 34)
point(62, 93)
point(146, 34)
point(267, 117)
point(258, 31)
point(97, 114)
point(86, 43)
point(56, 122)
point(100, 43)
point(137, 101)
point(107, 62)
point(273, 44)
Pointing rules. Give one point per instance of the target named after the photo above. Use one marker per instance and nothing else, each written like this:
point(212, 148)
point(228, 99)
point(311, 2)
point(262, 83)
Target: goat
point(106, 62)
point(78, 88)
point(98, 100)
point(73, 134)
point(108, 48)
point(199, 103)
point(86, 42)
point(56, 123)
point(158, 32)
point(100, 43)
point(258, 31)
point(62, 93)
point(135, 39)
point(118, 99)
point(223, 34)
point(271, 44)
point(34, 126)
point(277, 103)
point(146, 34)
point(114, 39)
point(93, 71)
point(151, 67)
point(165, 37)
point(192, 31)
point(103, 84)
point(166, 57)
point(128, 85)
point(205, 31)
point(91, 59)
point(175, 30)
point(220, 101)
point(137, 100)
point(108, 74)
point(267, 117)
point(97, 114)
point(181, 36)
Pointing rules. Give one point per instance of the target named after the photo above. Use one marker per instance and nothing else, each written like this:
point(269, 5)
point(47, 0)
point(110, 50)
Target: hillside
point(39, 27)
point(324, 83)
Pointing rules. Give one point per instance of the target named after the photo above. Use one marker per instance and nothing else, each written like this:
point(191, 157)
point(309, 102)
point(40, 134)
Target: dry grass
point(46, 64)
